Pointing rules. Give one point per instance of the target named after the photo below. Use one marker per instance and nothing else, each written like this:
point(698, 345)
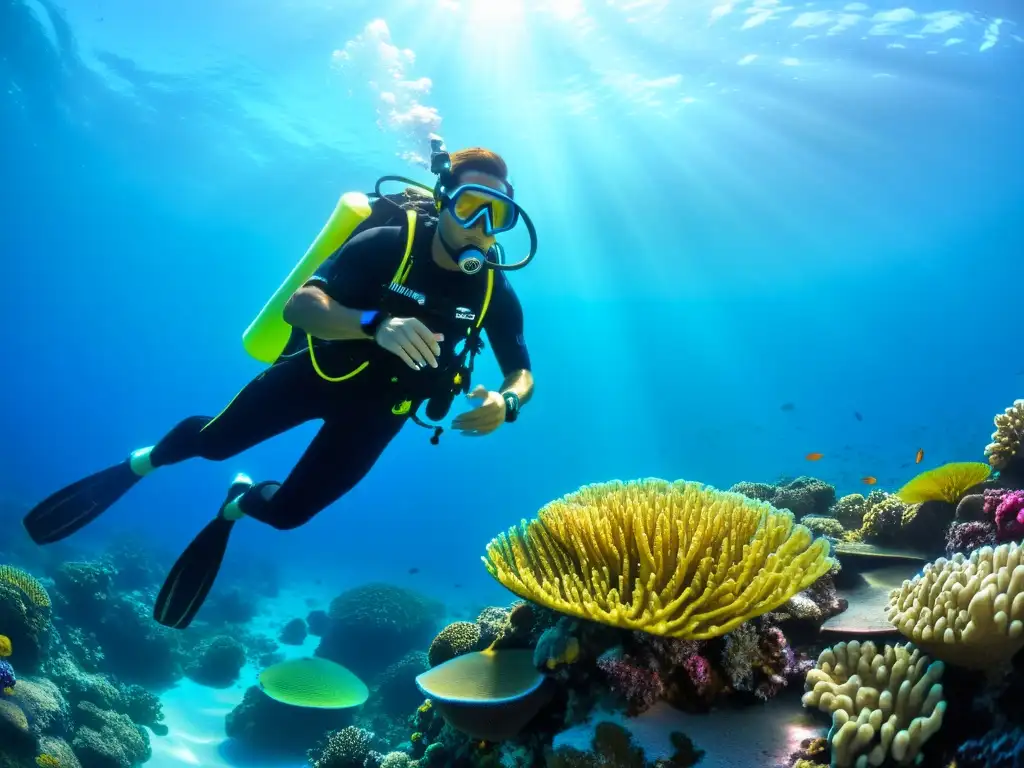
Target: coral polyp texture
point(883, 704)
point(966, 611)
point(676, 559)
point(1008, 437)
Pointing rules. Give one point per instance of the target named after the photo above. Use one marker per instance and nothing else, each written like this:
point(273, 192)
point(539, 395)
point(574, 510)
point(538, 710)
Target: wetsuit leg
point(280, 398)
point(342, 453)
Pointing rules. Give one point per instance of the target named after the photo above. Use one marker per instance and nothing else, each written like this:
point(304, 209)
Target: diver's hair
point(479, 159)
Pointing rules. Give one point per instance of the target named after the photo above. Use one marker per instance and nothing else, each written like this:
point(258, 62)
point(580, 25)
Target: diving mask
point(473, 204)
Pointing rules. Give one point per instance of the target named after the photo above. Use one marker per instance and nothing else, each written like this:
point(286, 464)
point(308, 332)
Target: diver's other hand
point(411, 340)
point(486, 417)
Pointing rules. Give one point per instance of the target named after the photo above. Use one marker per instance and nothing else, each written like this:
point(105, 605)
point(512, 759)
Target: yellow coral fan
point(882, 704)
point(946, 483)
point(1008, 438)
point(967, 611)
point(5, 647)
point(676, 559)
point(27, 583)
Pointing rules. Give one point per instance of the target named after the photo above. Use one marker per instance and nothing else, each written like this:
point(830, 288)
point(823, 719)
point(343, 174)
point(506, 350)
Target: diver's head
point(466, 223)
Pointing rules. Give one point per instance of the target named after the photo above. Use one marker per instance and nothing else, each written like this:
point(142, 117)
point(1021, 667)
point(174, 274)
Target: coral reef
point(260, 723)
point(883, 704)
point(373, 625)
point(217, 662)
point(457, 638)
point(804, 496)
point(293, 633)
point(665, 533)
point(965, 610)
point(1008, 438)
point(824, 526)
point(996, 749)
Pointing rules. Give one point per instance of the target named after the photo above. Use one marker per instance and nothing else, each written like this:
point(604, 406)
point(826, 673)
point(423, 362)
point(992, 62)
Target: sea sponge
point(457, 638)
point(5, 647)
point(949, 483)
point(882, 704)
point(1008, 437)
point(677, 559)
point(966, 611)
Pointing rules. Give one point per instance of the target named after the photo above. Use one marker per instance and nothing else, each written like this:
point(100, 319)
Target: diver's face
point(453, 233)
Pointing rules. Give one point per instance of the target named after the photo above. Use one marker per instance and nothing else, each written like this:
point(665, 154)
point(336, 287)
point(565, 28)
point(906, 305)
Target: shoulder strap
point(402, 273)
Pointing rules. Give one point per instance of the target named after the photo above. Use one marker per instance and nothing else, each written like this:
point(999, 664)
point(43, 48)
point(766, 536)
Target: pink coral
point(640, 686)
point(1009, 515)
point(967, 537)
point(698, 669)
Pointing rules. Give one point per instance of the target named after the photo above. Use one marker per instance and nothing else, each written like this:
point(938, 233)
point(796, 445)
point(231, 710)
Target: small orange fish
point(813, 456)
point(869, 480)
point(920, 455)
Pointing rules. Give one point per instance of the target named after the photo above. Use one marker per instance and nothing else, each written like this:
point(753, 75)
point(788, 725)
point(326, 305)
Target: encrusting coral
point(1008, 438)
point(883, 704)
point(966, 611)
point(677, 559)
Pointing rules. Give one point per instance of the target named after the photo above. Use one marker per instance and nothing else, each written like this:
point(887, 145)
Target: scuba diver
point(383, 315)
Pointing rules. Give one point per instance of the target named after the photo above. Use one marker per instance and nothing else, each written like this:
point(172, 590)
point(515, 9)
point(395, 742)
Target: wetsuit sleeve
point(504, 327)
point(354, 274)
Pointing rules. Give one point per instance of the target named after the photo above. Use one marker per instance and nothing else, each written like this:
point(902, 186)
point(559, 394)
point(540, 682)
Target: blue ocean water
point(740, 205)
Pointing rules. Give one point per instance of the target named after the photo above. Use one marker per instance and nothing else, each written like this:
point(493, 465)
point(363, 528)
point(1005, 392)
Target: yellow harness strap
point(401, 274)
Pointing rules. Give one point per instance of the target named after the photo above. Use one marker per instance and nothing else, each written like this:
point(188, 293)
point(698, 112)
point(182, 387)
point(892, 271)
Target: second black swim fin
point(69, 509)
point(189, 582)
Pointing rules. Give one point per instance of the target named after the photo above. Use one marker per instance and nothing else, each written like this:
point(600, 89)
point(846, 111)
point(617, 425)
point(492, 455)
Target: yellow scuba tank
point(267, 335)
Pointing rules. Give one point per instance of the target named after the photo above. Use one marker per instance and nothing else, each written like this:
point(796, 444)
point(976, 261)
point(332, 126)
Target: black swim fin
point(71, 508)
point(189, 582)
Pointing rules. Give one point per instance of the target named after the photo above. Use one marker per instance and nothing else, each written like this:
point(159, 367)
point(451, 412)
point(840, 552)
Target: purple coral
point(1009, 515)
point(967, 537)
point(640, 686)
point(781, 665)
point(698, 669)
point(7, 678)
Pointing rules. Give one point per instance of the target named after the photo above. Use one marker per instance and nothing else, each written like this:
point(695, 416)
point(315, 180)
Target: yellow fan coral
point(27, 583)
point(676, 559)
point(1008, 439)
point(967, 611)
point(946, 483)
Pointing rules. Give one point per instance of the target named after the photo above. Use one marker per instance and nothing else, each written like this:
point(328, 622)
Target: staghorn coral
point(948, 483)
point(675, 559)
point(1008, 437)
point(883, 704)
point(966, 611)
point(457, 638)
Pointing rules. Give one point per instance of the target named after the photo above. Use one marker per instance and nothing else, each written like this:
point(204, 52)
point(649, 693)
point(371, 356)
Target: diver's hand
point(411, 340)
point(486, 417)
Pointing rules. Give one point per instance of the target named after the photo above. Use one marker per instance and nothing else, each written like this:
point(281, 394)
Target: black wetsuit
point(362, 414)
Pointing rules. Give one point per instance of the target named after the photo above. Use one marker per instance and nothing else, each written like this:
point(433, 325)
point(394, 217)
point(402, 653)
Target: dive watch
point(511, 406)
point(370, 322)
